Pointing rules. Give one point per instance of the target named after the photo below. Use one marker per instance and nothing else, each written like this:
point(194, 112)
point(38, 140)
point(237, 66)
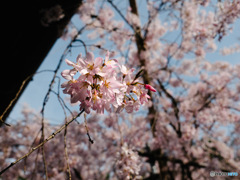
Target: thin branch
point(35, 162)
point(66, 154)
point(83, 43)
point(46, 100)
point(89, 137)
point(175, 108)
point(120, 13)
point(120, 132)
point(65, 131)
point(14, 99)
point(61, 101)
point(44, 160)
point(42, 143)
point(150, 19)
point(18, 93)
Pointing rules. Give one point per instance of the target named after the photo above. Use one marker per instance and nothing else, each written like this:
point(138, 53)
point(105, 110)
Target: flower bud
point(149, 87)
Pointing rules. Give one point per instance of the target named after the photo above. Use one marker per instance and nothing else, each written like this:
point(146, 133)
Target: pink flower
point(144, 98)
point(132, 106)
point(128, 163)
point(68, 74)
point(89, 65)
point(103, 85)
point(126, 71)
point(86, 105)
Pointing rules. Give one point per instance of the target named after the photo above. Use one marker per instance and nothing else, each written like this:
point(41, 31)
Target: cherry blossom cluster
point(128, 163)
point(104, 84)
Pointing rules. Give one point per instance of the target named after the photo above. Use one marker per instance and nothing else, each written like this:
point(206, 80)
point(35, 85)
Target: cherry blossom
point(102, 84)
point(128, 163)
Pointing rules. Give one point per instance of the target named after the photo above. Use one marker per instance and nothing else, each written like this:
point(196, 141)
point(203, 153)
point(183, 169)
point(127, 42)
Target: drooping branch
point(13, 101)
point(42, 143)
point(17, 95)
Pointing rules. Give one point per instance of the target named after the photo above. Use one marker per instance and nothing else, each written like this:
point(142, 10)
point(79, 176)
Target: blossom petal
point(107, 56)
point(90, 57)
point(70, 63)
point(98, 62)
point(84, 71)
point(63, 85)
point(66, 74)
point(80, 61)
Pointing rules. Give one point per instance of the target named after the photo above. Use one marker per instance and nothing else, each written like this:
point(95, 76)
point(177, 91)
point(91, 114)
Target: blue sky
point(34, 94)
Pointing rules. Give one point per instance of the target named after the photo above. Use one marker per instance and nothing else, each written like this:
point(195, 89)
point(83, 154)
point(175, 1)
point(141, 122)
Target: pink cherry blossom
point(103, 84)
point(128, 163)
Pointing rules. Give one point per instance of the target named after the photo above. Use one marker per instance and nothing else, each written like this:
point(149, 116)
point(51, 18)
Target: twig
point(175, 108)
point(65, 131)
point(14, 99)
point(83, 43)
point(45, 102)
point(61, 101)
point(89, 137)
point(42, 143)
point(44, 160)
point(120, 132)
point(120, 13)
point(18, 93)
point(66, 154)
